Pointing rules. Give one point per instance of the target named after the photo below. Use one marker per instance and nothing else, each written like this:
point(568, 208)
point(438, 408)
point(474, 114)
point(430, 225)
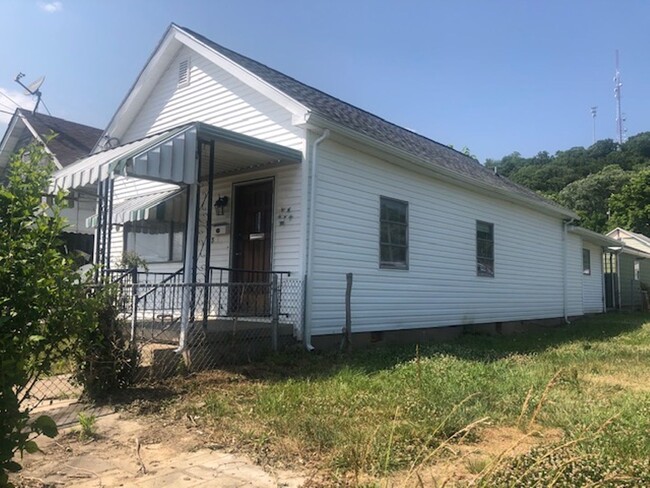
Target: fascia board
point(241, 73)
point(409, 161)
point(39, 138)
point(594, 237)
point(4, 149)
point(142, 86)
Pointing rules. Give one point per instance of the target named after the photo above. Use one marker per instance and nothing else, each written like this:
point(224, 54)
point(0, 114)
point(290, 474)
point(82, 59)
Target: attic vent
point(184, 72)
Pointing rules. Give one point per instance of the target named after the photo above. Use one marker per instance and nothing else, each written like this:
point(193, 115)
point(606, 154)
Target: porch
point(201, 206)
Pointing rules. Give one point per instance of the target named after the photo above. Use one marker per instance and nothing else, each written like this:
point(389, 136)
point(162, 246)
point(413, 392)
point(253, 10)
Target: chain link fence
point(180, 327)
point(176, 328)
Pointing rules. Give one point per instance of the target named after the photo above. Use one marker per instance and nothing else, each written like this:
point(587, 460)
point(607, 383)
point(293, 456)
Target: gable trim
point(160, 59)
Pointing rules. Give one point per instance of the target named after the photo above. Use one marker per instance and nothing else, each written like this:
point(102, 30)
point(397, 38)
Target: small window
point(484, 249)
point(184, 72)
point(586, 262)
point(393, 233)
point(637, 269)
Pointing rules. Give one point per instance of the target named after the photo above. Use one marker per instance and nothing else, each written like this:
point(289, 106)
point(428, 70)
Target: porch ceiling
point(236, 153)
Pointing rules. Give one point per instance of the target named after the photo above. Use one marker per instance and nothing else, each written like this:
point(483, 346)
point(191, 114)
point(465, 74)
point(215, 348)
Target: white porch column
point(192, 220)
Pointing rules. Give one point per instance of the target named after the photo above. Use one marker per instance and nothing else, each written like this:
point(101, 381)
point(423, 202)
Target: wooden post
point(347, 331)
point(274, 312)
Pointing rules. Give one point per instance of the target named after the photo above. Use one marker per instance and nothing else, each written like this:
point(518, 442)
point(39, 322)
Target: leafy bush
point(41, 300)
point(105, 360)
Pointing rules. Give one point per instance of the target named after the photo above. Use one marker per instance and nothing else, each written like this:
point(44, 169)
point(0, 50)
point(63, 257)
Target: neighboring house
point(73, 141)
point(634, 267)
point(598, 251)
point(228, 172)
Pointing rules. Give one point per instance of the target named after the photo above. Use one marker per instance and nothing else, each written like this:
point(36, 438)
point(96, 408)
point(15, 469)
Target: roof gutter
point(318, 120)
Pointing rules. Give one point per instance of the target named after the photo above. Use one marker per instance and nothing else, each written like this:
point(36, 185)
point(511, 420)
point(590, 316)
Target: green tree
point(589, 197)
point(41, 301)
point(630, 208)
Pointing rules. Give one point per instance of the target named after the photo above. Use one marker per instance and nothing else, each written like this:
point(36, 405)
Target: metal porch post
point(189, 270)
point(208, 242)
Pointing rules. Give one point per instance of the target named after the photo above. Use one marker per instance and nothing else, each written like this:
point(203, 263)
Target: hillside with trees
point(606, 184)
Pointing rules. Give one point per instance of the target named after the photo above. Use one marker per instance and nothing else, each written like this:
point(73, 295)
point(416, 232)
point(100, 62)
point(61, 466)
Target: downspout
point(618, 278)
point(603, 262)
point(565, 277)
point(306, 336)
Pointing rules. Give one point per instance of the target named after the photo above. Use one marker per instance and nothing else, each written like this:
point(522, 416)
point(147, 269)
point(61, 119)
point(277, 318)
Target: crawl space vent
point(184, 72)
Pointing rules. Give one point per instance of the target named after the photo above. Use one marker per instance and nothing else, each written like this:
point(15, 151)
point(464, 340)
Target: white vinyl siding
point(574, 275)
point(440, 287)
point(592, 284)
point(214, 97)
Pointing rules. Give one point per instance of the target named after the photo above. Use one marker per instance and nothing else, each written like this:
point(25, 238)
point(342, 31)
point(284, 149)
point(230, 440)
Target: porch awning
point(137, 208)
point(168, 156)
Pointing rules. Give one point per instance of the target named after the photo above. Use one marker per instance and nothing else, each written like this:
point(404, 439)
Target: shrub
point(41, 300)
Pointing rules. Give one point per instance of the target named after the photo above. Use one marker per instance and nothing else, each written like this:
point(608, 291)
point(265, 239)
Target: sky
point(494, 76)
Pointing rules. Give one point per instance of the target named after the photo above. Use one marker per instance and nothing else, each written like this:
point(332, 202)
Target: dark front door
point(251, 258)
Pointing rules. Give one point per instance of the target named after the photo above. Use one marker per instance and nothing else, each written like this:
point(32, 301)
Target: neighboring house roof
point(373, 126)
point(73, 140)
point(643, 242)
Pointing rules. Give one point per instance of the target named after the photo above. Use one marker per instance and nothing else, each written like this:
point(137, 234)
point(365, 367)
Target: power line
point(10, 99)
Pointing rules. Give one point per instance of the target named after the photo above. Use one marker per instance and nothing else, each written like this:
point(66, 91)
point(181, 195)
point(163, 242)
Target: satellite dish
point(33, 88)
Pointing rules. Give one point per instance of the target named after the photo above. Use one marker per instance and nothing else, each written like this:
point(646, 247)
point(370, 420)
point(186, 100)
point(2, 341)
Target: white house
point(71, 142)
point(226, 171)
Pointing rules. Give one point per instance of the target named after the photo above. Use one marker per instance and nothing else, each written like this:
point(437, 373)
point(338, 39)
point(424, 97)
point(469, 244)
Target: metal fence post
point(274, 312)
point(134, 302)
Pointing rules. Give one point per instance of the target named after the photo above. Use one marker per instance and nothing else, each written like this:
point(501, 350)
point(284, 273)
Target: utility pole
point(593, 116)
point(617, 94)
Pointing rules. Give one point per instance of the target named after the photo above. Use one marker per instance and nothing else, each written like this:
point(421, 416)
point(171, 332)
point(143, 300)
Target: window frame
point(479, 258)
point(586, 270)
point(394, 264)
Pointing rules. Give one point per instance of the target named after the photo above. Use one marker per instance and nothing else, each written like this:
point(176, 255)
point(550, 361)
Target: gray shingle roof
point(74, 141)
point(373, 126)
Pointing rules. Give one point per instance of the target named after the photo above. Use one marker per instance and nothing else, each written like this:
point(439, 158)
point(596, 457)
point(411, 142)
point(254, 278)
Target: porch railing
point(264, 303)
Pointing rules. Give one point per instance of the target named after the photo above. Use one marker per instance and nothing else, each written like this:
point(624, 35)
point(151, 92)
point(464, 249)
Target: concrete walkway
point(169, 455)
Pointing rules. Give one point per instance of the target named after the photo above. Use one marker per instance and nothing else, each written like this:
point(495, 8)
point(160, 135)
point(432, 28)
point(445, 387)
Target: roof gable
point(73, 140)
point(639, 239)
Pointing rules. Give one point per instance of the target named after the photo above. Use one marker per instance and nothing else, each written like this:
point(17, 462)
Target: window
point(161, 238)
point(586, 262)
point(393, 233)
point(484, 249)
point(637, 269)
point(154, 241)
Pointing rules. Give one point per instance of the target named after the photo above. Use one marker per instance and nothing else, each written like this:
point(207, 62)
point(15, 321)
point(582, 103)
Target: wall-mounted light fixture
point(220, 204)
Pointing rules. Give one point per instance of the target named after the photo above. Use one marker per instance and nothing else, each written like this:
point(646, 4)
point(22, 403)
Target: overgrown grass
point(379, 411)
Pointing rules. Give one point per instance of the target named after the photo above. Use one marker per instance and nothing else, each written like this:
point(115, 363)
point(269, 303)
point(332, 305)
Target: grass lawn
point(569, 407)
